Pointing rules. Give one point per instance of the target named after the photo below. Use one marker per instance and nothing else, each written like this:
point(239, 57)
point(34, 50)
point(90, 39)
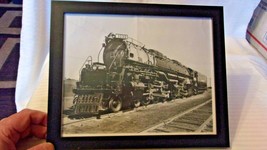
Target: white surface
point(246, 70)
point(247, 105)
point(34, 48)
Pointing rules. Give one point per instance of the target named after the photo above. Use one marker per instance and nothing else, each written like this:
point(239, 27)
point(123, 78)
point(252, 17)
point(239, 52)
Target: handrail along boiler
point(130, 76)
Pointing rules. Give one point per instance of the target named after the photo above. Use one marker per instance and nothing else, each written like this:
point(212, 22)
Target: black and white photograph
point(134, 75)
point(150, 73)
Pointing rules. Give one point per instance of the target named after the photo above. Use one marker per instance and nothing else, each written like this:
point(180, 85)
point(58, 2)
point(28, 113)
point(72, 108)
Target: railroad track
point(196, 119)
point(108, 115)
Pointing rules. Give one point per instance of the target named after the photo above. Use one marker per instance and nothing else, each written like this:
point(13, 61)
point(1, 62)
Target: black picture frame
point(61, 8)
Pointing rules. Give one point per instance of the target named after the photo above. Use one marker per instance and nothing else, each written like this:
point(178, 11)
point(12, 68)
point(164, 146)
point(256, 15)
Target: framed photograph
point(127, 75)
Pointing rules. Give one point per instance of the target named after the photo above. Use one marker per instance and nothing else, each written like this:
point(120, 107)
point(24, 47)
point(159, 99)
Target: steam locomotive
point(130, 76)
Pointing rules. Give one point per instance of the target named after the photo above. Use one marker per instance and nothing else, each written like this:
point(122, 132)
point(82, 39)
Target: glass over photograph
point(137, 75)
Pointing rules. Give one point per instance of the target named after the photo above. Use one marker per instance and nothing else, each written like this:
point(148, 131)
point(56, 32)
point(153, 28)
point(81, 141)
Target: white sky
point(188, 40)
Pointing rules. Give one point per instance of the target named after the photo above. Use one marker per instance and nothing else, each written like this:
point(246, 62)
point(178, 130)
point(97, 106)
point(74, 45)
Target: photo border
point(59, 8)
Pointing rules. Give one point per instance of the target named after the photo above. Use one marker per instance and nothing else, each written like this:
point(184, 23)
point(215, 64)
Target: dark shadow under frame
point(59, 8)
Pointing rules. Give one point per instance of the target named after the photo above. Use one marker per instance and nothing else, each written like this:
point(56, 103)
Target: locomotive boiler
point(132, 75)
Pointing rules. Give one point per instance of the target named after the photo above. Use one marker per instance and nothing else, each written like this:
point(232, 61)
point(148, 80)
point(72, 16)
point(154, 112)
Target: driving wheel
point(115, 104)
